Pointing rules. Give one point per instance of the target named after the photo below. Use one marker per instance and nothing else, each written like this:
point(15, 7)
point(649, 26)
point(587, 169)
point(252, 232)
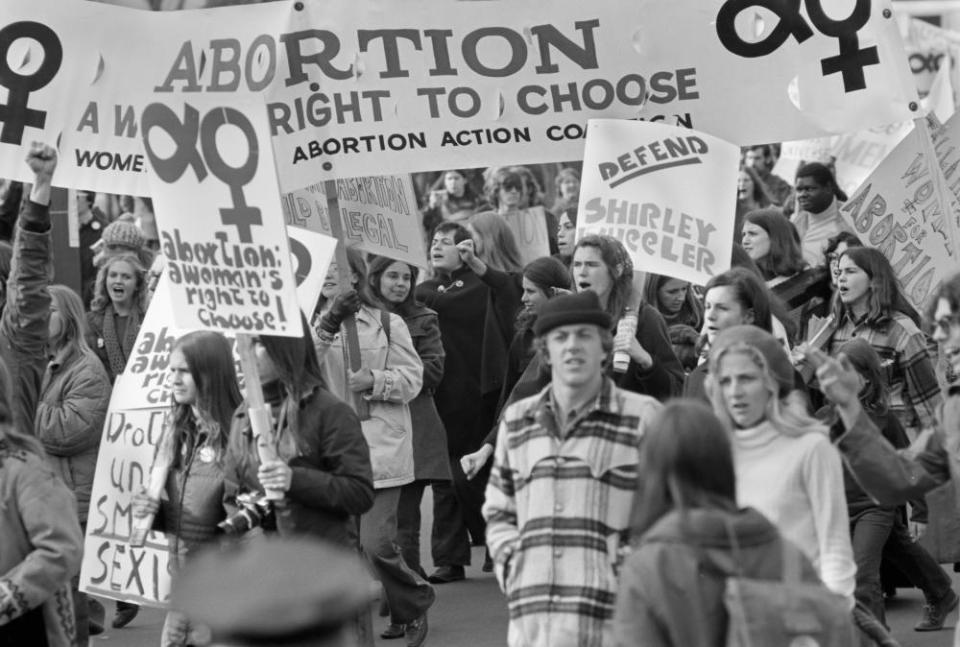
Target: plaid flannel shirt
point(905, 357)
point(557, 508)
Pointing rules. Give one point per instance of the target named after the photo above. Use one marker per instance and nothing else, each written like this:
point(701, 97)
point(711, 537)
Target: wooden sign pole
point(257, 408)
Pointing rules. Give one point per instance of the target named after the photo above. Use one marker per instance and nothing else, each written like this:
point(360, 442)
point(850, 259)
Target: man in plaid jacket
point(565, 469)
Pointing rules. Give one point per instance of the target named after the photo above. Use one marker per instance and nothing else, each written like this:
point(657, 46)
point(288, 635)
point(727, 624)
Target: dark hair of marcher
point(864, 358)
point(950, 291)
point(849, 238)
point(692, 305)
point(823, 176)
point(885, 296)
point(687, 462)
point(785, 257)
point(376, 267)
point(749, 291)
point(209, 358)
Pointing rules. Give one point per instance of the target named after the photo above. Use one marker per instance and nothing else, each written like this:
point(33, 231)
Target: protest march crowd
point(763, 459)
point(622, 443)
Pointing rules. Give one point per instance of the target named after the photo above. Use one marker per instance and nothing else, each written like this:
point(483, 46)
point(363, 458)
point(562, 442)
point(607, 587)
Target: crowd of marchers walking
point(623, 444)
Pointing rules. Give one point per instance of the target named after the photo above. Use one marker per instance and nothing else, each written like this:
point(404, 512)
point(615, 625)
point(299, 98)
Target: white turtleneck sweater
point(797, 483)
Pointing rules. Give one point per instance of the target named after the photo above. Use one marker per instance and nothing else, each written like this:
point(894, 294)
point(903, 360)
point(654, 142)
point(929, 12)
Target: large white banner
point(218, 211)
point(359, 87)
point(661, 190)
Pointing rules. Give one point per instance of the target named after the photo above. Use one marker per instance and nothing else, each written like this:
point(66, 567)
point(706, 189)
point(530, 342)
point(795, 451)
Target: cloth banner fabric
point(357, 87)
point(660, 191)
point(218, 211)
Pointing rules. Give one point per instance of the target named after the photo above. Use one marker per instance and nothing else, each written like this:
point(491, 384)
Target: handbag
point(784, 613)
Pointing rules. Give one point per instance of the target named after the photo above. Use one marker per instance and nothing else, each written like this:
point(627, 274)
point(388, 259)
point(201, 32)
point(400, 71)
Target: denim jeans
point(911, 559)
point(408, 594)
point(869, 531)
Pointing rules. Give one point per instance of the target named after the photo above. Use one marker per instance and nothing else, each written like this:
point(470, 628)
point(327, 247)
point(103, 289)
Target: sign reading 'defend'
point(218, 211)
point(667, 193)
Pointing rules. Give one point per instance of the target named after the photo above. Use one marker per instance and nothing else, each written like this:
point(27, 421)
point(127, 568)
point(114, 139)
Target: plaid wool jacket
point(911, 377)
point(557, 508)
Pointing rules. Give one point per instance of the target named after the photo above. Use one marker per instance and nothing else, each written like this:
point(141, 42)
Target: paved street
point(472, 613)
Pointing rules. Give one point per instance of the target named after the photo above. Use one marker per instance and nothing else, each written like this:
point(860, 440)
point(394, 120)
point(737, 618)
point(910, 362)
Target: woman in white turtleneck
point(786, 466)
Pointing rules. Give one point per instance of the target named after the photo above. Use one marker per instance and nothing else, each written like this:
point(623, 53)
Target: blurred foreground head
point(272, 592)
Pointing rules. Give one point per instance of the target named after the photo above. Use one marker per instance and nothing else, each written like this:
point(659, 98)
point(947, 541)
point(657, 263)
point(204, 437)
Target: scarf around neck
point(118, 350)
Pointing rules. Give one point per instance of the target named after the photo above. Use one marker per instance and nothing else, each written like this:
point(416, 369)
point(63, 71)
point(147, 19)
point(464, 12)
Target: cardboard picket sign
point(660, 191)
point(111, 567)
point(529, 227)
point(312, 254)
point(898, 211)
point(356, 88)
point(379, 215)
point(221, 225)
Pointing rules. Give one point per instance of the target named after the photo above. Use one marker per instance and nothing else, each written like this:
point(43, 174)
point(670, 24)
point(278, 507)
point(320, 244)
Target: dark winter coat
point(26, 315)
point(671, 585)
point(332, 477)
point(70, 414)
point(474, 329)
point(430, 457)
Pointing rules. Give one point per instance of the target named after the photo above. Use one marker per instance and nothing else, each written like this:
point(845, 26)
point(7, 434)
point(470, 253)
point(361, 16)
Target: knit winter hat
point(547, 272)
point(761, 344)
point(123, 234)
point(567, 309)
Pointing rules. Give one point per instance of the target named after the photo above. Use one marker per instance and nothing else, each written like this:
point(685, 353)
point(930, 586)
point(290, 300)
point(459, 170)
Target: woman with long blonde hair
point(786, 466)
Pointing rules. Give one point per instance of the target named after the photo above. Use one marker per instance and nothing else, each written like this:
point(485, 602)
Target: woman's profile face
point(744, 186)
point(566, 236)
point(533, 297)
point(722, 310)
point(755, 241)
point(182, 386)
point(741, 383)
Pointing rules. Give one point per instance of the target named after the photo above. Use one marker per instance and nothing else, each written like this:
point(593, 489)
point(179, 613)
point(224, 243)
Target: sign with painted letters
point(659, 190)
point(529, 228)
point(357, 87)
point(897, 210)
point(379, 215)
point(111, 567)
point(218, 211)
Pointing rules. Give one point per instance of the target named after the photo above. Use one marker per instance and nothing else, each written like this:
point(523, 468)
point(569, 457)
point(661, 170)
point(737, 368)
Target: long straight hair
point(686, 462)
point(885, 296)
point(863, 357)
point(298, 371)
point(498, 245)
point(74, 329)
point(692, 306)
point(210, 360)
point(785, 257)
